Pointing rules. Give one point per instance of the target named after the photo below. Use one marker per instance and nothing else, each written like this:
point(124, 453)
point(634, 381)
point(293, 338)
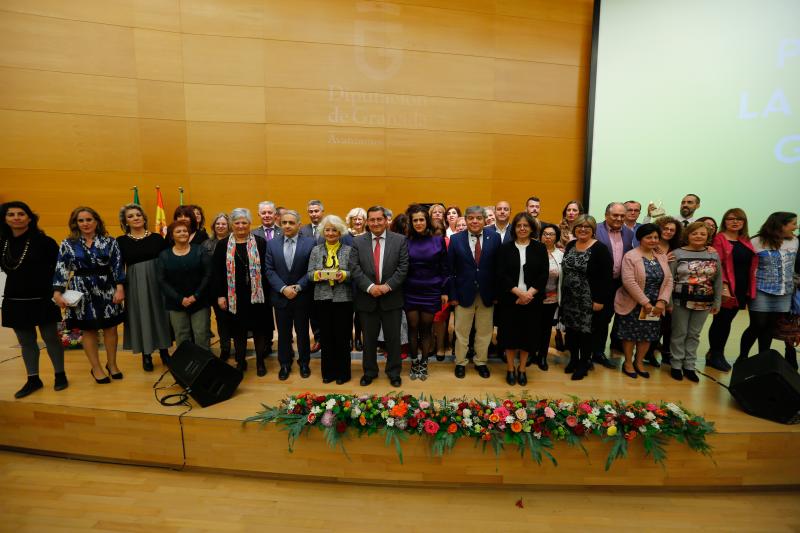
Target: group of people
point(396, 281)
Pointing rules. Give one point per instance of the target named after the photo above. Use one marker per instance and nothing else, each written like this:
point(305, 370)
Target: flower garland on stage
point(532, 425)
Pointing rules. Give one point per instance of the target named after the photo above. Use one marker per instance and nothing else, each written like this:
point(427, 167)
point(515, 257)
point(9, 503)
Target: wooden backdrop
point(351, 102)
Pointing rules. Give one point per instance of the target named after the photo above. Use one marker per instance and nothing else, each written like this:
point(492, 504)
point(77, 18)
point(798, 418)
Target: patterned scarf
point(254, 263)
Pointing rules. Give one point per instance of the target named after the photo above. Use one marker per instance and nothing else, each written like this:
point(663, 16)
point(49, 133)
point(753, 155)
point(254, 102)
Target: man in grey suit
point(268, 229)
point(378, 274)
point(315, 213)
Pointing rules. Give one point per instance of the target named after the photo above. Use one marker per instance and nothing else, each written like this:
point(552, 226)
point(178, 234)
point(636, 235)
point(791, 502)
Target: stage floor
point(123, 421)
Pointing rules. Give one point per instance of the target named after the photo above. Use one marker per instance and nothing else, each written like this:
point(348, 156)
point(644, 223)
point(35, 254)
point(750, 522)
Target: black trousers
point(720, 329)
point(579, 344)
point(334, 324)
point(294, 315)
point(602, 319)
point(372, 322)
point(544, 328)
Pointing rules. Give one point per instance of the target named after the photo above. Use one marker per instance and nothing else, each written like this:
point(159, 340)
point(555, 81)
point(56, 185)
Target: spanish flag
point(161, 217)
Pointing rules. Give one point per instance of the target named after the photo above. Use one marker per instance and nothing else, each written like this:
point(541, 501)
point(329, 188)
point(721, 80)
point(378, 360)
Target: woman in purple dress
point(425, 287)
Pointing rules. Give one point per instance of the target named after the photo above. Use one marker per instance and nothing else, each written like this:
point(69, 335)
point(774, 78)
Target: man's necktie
point(376, 257)
point(288, 252)
point(477, 250)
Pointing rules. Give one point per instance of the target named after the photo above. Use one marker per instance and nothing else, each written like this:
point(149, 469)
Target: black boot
point(61, 382)
point(224, 355)
point(32, 385)
point(791, 356)
point(718, 362)
point(261, 368)
point(241, 362)
point(581, 370)
point(572, 365)
point(147, 362)
point(164, 354)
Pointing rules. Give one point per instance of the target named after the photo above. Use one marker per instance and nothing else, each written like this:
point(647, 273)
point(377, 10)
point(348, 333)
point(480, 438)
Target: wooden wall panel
point(65, 46)
point(355, 102)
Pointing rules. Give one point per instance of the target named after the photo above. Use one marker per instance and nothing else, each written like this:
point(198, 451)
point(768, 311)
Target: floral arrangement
point(531, 425)
point(70, 338)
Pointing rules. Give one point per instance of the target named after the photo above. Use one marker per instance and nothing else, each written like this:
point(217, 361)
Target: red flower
point(311, 418)
point(431, 427)
point(639, 422)
point(340, 426)
point(462, 406)
point(541, 404)
point(413, 422)
point(540, 420)
point(630, 435)
point(320, 399)
point(579, 429)
point(572, 421)
point(444, 419)
point(486, 436)
point(452, 428)
point(508, 404)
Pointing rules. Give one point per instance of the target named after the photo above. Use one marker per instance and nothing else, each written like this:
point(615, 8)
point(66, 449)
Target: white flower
point(291, 405)
point(316, 409)
point(610, 410)
point(595, 411)
point(630, 415)
point(492, 404)
point(356, 412)
point(537, 434)
point(390, 404)
point(390, 422)
point(509, 419)
point(454, 405)
point(565, 406)
point(381, 406)
point(467, 413)
point(649, 416)
point(330, 404)
point(468, 422)
point(655, 425)
point(586, 422)
point(521, 413)
point(677, 411)
point(642, 429)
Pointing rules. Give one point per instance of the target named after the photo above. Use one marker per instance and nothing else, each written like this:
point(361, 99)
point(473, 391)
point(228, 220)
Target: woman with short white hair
point(240, 288)
point(329, 268)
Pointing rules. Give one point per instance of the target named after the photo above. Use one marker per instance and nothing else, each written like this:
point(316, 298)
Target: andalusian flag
point(136, 195)
point(161, 217)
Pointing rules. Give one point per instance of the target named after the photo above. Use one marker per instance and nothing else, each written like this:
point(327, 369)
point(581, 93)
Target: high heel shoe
point(522, 377)
point(642, 373)
point(118, 375)
point(102, 381)
point(633, 374)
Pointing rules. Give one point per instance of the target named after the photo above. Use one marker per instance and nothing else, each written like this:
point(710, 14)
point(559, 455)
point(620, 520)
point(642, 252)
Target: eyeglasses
point(548, 234)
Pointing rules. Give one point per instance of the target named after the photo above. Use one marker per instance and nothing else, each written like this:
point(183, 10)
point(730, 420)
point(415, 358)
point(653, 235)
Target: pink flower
point(585, 407)
point(502, 412)
point(424, 405)
point(328, 419)
point(549, 413)
point(572, 421)
point(430, 427)
point(651, 407)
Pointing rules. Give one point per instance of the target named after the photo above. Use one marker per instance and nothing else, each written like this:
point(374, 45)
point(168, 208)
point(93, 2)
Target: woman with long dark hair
point(29, 261)
point(89, 261)
point(220, 231)
point(146, 321)
point(739, 263)
point(776, 248)
point(452, 215)
point(186, 213)
point(425, 288)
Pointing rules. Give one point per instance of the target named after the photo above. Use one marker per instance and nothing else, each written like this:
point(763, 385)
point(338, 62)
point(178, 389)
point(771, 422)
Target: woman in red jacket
point(739, 262)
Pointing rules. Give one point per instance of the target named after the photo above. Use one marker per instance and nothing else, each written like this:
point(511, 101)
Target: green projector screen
point(697, 96)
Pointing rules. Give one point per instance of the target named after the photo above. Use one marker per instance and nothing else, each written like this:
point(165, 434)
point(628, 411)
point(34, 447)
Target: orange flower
point(486, 436)
point(494, 418)
point(347, 403)
point(452, 428)
point(362, 420)
point(399, 410)
point(516, 427)
point(630, 435)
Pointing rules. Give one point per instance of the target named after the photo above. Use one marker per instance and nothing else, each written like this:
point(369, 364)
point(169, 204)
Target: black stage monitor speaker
point(207, 379)
point(767, 387)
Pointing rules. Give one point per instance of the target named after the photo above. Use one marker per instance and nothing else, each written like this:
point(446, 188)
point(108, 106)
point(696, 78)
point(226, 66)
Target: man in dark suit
point(313, 231)
point(378, 274)
point(471, 257)
point(502, 219)
point(618, 238)
point(268, 229)
point(291, 294)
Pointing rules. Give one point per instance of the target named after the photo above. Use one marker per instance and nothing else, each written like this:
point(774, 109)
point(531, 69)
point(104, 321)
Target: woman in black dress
point(240, 287)
point(221, 230)
point(586, 281)
point(146, 321)
point(522, 270)
point(29, 260)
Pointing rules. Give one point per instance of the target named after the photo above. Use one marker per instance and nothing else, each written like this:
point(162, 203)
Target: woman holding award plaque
point(329, 271)
point(642, 299)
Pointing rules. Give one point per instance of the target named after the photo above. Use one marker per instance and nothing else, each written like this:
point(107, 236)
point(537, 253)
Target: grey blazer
point(323, 290)
point(395, 269)
point(259, 231)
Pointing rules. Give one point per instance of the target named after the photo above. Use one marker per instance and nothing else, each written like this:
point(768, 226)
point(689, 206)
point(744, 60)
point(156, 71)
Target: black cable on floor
point(171, 400)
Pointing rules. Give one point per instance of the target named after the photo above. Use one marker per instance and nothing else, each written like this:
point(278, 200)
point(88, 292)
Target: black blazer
point(535, 271)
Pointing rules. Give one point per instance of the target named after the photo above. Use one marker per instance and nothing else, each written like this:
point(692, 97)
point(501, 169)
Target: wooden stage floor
point(123, 422)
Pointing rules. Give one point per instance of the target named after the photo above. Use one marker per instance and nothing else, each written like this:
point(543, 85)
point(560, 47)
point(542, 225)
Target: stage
point(123, 422)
